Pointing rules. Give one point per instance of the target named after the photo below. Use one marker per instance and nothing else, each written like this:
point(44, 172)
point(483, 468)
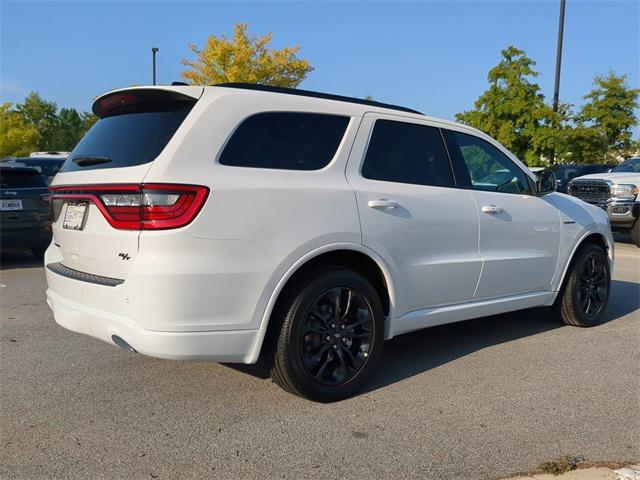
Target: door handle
point(383, 204)
point(492, 209)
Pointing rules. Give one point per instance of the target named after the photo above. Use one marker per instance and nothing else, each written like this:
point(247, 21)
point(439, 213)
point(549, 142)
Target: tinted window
point(128, 139)
point(482, 166)
point(630, 166)
point(285, 140)
point(569, 172)
point(407, 153)
point(47, 168)
point(23, 178)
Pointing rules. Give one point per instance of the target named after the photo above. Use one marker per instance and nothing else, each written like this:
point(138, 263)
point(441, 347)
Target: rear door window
point(133, 129)
point(407, 153)
point(285, 140)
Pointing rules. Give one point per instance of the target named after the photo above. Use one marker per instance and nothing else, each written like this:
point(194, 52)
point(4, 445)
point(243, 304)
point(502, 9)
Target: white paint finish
point(429, 239)
point(207, 290)
point(578, 220)
point(519, 244)
point(217, 346)
point(431, 317)
point(95, 249)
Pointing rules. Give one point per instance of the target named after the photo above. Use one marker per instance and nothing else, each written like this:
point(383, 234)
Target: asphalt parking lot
point(475, 400)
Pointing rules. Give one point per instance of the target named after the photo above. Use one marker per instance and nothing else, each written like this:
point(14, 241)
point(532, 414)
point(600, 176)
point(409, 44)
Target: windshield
point(630, 166)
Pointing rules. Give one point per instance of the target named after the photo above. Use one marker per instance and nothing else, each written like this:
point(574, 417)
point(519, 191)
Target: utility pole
point(556, 88)
point(154, 50)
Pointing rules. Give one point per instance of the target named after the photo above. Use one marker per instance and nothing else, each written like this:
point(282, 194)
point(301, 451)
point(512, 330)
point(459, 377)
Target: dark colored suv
point(47, 167)
point(24, 210)
point(566, 173)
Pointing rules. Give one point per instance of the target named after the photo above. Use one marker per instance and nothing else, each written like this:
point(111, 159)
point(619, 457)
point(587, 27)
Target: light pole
point(154, 50)
point(556, 88)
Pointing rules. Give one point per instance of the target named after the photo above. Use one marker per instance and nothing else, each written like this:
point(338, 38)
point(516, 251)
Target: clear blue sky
point(433, 56)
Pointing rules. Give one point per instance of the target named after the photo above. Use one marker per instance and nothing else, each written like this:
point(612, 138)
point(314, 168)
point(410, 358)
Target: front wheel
point(585, 296)
point(331, 336)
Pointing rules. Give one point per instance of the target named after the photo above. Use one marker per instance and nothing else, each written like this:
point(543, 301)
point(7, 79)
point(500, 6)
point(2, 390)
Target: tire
point(325, 353)
point(635, 233)
point(583, 300)
point(38, 252)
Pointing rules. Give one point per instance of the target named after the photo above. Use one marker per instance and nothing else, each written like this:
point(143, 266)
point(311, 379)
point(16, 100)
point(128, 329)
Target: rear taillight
point(155, 206)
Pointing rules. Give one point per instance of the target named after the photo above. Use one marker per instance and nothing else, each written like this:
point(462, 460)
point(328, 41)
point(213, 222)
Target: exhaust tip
point(119, 342)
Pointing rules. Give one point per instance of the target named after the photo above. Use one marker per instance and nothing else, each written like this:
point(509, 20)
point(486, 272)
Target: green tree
point(17, 138)
point(513, 111)
point(42, 115)
point(604, 125)
point(69, 129)
point(245, 59)
point(88, 119)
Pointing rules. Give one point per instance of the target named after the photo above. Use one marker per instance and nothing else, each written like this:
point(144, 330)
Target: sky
point(432, 56)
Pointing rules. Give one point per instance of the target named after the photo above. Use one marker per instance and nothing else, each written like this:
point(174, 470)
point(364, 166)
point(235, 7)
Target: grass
point(562, 465)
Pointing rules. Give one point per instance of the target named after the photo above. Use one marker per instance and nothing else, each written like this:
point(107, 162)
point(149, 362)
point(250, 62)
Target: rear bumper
point(222, 346)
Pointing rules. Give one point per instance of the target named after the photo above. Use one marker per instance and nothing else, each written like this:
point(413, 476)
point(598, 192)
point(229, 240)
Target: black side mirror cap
point(545, 182)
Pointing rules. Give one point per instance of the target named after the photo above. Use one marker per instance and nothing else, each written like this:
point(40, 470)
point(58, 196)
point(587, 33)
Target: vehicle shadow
point(10, 261)
point(414, 353)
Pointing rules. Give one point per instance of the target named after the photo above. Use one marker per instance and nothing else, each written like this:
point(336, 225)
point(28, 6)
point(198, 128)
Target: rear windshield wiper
point(87, 161)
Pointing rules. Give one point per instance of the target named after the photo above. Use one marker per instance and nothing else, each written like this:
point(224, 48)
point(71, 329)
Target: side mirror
point(545, 182)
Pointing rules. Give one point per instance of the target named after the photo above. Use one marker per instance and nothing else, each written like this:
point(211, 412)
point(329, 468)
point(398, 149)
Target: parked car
point(46, 166)
point(616, 193)
point(565, 173)
point(55, 154)
point(25, 210)
point(238, 222)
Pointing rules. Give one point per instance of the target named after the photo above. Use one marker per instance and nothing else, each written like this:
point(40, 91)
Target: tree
point(513, 110)
point(17, 138)
point(69, 129)
point(244, 59)
point(41, 114)
point(606, 120)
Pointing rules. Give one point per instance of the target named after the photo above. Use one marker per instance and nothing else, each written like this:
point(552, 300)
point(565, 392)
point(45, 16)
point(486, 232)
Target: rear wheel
point(586, 293)
point(330, 337)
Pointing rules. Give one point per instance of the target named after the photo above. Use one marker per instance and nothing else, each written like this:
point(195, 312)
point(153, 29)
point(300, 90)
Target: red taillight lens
point(156, 206)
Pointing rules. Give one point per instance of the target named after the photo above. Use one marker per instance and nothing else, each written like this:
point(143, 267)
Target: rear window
point(47, 168)
point(285, 140)
point(133, 129)
point(27, 178)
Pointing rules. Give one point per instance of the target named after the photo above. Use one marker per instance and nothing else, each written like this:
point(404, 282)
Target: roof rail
point(310, 93)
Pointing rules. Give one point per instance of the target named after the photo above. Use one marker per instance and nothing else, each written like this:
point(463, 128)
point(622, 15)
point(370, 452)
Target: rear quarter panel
point(256, 222)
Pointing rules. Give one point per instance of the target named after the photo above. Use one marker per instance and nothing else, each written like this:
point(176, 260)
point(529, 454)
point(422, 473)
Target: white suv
point(237, 222)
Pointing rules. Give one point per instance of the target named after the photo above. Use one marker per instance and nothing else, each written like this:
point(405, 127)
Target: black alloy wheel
point(337, 336)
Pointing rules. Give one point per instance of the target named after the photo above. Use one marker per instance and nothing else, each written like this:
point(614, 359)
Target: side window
point(285, 140)
point(482, 166)
point(407, 153)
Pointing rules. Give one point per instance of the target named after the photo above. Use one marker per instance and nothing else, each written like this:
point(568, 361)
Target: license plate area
point(10, 205)
point(75, 215)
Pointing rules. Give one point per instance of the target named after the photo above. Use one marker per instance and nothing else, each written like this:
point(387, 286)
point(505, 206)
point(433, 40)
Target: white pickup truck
point(617, 193)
